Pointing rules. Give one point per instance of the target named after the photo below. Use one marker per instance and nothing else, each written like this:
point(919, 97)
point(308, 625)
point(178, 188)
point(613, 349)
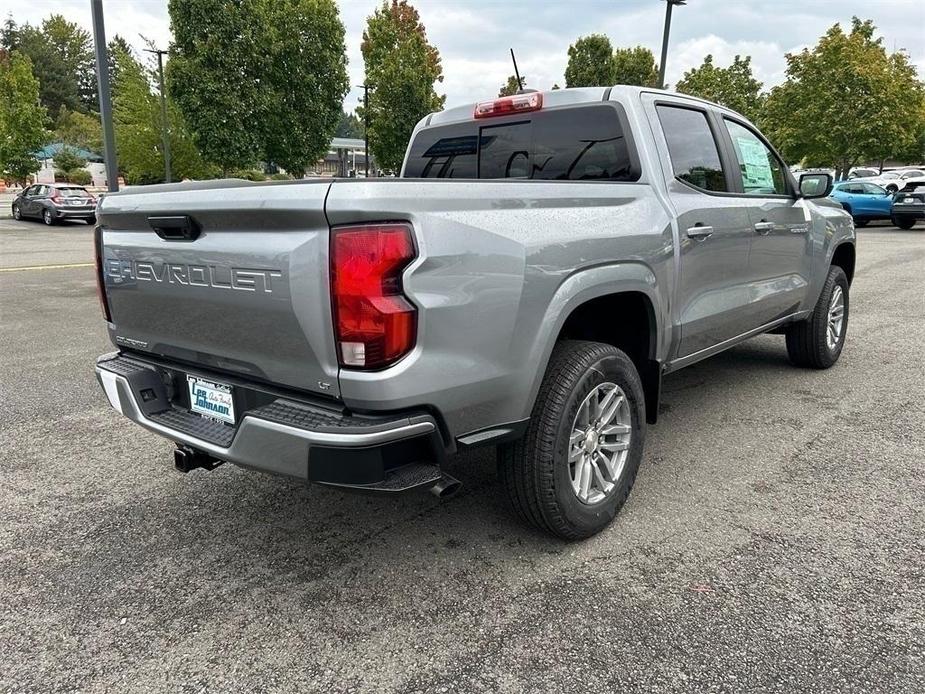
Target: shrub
point(81, 177)
point(280, 177)
point(67, 159)
point(249, 175)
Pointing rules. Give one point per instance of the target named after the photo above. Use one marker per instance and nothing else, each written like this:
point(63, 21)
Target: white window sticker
point(757, 168)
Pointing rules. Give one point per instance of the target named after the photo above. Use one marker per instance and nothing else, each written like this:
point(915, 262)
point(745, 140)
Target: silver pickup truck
point(543, 260)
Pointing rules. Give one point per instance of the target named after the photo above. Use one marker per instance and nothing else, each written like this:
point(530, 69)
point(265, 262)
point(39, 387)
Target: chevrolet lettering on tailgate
point(244, 279)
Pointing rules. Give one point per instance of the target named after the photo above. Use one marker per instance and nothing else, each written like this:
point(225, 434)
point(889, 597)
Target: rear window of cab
point(587, 143)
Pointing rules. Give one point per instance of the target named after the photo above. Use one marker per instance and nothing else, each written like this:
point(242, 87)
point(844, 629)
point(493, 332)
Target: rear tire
point(903, 222)
point(48, 218)
point(810, 342)
point(861, 222)
point(537, 471)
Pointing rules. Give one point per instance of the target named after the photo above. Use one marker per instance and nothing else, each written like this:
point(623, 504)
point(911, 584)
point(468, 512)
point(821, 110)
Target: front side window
point(762, 172)
point(692, 148)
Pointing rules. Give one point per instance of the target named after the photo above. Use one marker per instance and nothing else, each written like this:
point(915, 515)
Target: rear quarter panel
point(501, 264)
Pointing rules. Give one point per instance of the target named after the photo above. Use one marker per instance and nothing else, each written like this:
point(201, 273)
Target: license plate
point(211, 399)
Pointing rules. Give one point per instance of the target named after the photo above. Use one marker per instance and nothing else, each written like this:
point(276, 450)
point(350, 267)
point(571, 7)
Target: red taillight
point(100, 283)
point(374, 324)
point(519, 103)
point(55, 197)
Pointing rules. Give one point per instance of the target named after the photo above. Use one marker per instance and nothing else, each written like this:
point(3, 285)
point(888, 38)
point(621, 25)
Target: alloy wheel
point(599, 443)
point(836, 322)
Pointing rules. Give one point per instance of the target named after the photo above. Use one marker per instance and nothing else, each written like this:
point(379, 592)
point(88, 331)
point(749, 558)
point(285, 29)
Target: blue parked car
point(863, 201)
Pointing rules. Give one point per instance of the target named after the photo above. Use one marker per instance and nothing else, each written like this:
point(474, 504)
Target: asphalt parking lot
point(775, 539)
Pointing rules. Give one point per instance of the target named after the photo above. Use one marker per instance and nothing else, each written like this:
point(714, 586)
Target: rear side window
point(692, 147)
point(575, 144)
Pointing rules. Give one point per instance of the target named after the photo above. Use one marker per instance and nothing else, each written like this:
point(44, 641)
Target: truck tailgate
point(249, 295)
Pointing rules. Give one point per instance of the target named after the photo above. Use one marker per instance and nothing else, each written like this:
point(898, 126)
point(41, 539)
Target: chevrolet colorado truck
point(541, 263)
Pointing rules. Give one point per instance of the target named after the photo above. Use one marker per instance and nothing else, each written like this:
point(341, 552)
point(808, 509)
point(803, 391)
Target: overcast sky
point(473, 36)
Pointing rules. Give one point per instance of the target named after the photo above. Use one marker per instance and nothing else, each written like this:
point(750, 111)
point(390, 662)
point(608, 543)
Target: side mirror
point(815, 185)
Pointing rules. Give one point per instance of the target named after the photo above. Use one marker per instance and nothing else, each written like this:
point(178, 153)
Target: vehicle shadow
point(239, 516)
point(233, 552)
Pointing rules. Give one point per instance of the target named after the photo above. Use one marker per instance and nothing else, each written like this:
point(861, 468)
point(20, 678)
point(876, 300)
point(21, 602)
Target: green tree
point(116, 46)
point(402, 67)
point(67, 159)
point(62, 61)
point(75, 47)
point(635, 66)
point(350, 126)
point(914, 152)
point(591, 63)
point(734, 87)
point(258, 80)
point(79, 130)
point(844, 101)
point(139, 138)
point(511, 86)
point(22, 117)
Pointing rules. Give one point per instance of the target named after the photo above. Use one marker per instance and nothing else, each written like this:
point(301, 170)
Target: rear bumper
point(73, 212)
point(916, 211)
point(283, 437)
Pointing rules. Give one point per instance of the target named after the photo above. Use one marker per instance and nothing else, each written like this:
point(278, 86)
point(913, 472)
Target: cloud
point(474, 36)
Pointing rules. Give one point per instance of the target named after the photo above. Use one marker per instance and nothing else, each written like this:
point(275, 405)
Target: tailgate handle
point(175, 228)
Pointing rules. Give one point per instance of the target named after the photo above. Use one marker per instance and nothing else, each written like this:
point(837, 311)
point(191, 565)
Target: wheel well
point(846, 207)
point(844, 258)
point(626, 321)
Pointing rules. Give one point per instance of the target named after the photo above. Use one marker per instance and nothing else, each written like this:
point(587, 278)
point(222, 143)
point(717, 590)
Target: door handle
point(764, 227)
point(178, 228)
point(699, 232)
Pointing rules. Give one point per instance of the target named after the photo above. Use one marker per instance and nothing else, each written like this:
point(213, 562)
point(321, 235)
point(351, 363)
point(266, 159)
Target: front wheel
point(48, 217)
point(574, 468)
point(17, 215)
point(903, 222)
point(817, 342)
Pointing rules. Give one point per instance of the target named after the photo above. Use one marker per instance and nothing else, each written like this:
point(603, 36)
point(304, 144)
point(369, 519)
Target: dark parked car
point(52, 202)
point(909, 205)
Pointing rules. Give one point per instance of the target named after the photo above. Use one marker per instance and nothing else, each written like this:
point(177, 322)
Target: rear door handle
point(699, 232)
point(764, 227)
point(175, 228)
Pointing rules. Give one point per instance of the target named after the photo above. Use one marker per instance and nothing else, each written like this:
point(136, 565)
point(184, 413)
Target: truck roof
point(571, 96)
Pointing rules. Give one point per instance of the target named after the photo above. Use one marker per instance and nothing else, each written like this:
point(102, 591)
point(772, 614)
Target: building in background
point(46, 157)
point(345, 157)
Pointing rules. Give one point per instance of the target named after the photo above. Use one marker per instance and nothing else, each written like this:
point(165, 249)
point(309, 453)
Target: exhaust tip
point(446, 487)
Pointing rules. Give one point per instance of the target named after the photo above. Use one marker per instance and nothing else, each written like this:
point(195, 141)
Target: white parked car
point(896, 179)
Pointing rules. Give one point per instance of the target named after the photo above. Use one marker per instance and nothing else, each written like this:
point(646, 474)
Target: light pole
point(164, 125)
point(102, 81)
point(366, 90)
point(661, 67)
